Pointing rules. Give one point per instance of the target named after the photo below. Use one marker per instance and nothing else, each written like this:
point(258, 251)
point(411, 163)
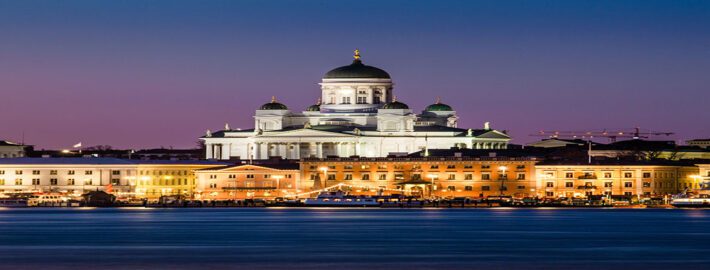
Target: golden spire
point(438, 100)
point(394, 98)
point(357, 54)
point(273, 99)
point(318, 102)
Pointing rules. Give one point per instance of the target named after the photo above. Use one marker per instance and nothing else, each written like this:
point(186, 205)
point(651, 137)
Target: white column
point(312, 149)
point(283, 150)
point(216, 148)
point(353, 149)
point(319, 149)
point(225, 151)
point(209, 154)
point(297, 151)
point(256, 152)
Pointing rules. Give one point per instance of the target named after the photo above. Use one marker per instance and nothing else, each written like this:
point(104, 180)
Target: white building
point(358, 116)
point(11, 150)
point(75, 176)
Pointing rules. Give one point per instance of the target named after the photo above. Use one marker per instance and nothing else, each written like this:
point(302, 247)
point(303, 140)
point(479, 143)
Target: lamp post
point(325, 176)
point(278, 182)
point(431, 189)
point(503, 176)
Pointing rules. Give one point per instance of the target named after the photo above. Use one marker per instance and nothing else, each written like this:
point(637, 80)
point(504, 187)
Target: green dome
point(273, 105)
point(438, 107)
point(357, 70)
point(313, 108)
point(396, 105)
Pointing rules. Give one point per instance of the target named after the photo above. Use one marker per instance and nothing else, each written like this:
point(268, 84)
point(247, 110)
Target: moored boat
point(340, 199)
point(694, 202)
point(13, 202)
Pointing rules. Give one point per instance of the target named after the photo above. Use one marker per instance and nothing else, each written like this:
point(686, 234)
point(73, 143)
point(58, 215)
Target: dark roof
point(637, 144)
point(395, 105)
point(8, 143)
point(482, 153)
point(273, 105)
point(104, 161)
point(621, 162)
point(356, 70)
point(273, 165)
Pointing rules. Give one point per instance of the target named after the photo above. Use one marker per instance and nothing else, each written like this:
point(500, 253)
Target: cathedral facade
point(356, 115)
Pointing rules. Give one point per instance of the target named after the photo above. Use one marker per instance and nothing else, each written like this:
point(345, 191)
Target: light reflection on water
point(328, 238)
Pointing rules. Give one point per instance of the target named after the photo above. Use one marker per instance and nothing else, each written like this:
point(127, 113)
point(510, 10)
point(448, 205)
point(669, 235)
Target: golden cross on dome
point(357, 54)
point(273, 99)
point(438, 100)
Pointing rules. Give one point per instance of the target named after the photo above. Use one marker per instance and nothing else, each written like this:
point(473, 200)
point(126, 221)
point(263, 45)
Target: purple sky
point(159, 73)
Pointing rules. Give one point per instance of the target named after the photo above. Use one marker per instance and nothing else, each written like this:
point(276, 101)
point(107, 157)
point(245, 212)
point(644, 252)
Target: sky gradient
point(136, 74)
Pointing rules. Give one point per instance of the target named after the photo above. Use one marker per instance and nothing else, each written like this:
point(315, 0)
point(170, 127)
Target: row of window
point(55, 181)
point(113, 172)
point(570, 175)
point(55, 172)
point(400, 176)
point(252, 176)
point(416, 167)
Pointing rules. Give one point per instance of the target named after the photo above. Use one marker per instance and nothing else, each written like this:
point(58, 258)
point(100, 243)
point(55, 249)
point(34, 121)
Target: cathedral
point(357, 114)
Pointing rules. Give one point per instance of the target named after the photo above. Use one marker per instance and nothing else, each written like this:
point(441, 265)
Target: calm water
point(354, 238)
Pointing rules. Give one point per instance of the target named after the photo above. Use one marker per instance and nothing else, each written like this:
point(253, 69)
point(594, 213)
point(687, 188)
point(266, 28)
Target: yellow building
point(168, 178)
point(247, 181)
point(645, 179)
point(704, 171)
point(430, 177)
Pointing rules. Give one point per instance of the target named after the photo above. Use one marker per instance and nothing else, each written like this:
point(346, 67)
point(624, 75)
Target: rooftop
point(102, 161)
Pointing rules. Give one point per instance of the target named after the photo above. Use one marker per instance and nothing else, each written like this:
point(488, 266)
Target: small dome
point(396, 105)
point(438, 106)
point(314, 107)
point(357, 70)
point(273, 105)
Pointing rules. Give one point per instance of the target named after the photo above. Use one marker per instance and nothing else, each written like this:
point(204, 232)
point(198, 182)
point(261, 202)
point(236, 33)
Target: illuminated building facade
point(641, 179)
point(429, 177)
point(124, 178)
point(247, 181)
point(357, 114)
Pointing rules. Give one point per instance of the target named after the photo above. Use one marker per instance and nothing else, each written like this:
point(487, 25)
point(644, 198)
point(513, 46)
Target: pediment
point(305, 133)
point(248, 168)
point(493, 134)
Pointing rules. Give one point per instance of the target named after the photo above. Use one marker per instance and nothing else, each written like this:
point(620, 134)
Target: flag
point(109, 188)
point(77, 145)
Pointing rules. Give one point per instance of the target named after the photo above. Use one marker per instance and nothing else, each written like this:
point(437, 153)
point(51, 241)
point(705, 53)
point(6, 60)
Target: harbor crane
point(635, 134)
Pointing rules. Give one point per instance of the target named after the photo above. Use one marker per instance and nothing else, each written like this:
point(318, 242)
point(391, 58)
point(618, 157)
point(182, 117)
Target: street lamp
point(433, 186)
point(503, 176)
point(278, 180)
point(324, 169)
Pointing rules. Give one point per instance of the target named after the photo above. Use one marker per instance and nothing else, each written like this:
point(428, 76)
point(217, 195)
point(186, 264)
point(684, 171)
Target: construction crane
point(612, 135)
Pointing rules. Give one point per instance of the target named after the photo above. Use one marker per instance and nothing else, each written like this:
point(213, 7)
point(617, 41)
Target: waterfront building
point(248, 181)
point(613, 177)
point(430, 177)
point(357, 114)
point(11, 150)
point(124, 178)
point(702, 143)
point(704, 171)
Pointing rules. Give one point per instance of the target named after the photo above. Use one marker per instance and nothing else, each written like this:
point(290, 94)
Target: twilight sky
point(159, 73)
